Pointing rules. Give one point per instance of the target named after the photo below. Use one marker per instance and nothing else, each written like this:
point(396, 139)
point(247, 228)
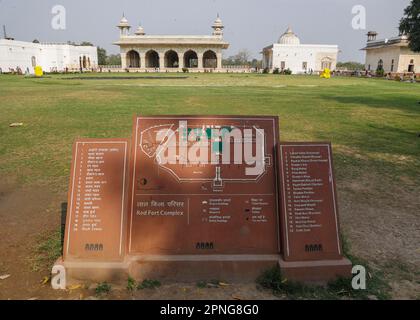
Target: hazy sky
point(250, 24)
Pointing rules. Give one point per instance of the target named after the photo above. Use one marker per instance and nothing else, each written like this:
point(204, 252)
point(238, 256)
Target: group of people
point(18, 70)
point(412, 77)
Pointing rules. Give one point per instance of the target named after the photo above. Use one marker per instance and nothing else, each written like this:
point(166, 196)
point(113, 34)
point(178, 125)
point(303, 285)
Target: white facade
point(171, 53)
point(51, 57)
point(289, 53)
point(393, 55)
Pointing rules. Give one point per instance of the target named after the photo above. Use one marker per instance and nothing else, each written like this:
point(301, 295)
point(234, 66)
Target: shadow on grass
point(408, 104)
point(47, 250)
point(49, 245)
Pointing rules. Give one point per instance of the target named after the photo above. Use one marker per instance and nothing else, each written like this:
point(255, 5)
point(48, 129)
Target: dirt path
point(24, 215)
point(382, 230)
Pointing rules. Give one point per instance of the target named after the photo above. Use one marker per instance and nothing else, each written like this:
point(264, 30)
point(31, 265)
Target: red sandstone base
point(320, 272)
point(175, 268)
point(232, 268)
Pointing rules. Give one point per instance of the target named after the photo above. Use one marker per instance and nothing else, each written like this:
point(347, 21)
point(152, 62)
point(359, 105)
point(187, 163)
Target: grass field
point(374, 126)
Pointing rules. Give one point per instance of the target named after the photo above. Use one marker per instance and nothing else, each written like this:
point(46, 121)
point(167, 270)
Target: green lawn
point(373, 124)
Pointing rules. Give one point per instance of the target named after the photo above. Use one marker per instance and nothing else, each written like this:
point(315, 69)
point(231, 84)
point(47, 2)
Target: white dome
point(123, 22)
point(140, 31)
point(289, 37)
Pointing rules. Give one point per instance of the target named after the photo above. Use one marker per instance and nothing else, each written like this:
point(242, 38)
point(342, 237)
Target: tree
point(35, 41)
point(102, 57)
point(243, 57)
point(255, 63)
point(113, 60)
point(86, 43)
point(410, 24)
point(350, 65)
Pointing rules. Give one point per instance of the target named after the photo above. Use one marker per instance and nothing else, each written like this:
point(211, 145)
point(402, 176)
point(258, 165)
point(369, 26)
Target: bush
point(380, 72)
point(276, 71)
point(103, 288)
point(287, 72)
point(185, 70)
point(131, 284)
point(266, 70)
point(148, 284)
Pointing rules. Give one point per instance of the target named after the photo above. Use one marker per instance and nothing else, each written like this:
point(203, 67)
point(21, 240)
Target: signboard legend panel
point(204, 185)
point(309, 216)
point(97, 200)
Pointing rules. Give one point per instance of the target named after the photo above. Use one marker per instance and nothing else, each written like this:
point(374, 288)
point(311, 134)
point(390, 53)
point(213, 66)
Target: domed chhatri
point(289, 37)
point(124, 26)
point(218, 26)
point(124, 22)
point(140, 31)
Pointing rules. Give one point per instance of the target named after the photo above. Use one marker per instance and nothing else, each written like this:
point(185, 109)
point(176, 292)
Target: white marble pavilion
point(290, 53)
point(171, 53)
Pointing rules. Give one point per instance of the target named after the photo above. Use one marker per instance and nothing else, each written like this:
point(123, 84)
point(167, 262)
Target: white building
point(392, 55)
point(141, 52)
point(51, 57)
point(289, 53)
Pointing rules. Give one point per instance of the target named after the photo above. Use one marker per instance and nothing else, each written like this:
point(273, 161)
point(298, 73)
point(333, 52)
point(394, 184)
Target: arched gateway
point(171, 59)
point(191, 59)
point(210, 59)
point(171, 53)
point(152, 59)
point(133, 59)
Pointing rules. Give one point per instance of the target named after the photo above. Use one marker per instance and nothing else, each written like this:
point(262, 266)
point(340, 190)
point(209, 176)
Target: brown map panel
point(97, 198)
point(194, 207)
point(309, 217)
